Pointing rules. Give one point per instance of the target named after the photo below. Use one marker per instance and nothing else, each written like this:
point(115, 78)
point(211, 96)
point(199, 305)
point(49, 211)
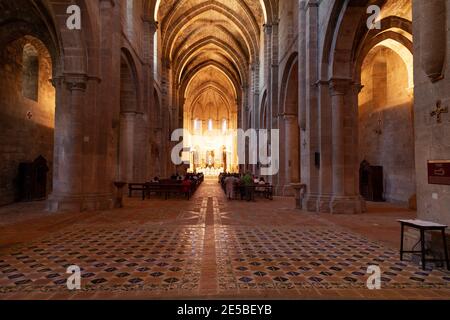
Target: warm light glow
point(197, 124)
point(210, 125)
point(158, 2)
point(263, 7)
point(208, 149)
point(404, 53)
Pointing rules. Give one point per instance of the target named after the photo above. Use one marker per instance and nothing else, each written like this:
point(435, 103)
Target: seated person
point(261, 182)
point(186, 185)
point(155, 180)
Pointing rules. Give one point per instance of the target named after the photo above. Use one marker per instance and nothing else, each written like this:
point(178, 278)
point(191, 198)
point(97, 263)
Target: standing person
point(187, 183)
point(248, 183)
point(229, 187)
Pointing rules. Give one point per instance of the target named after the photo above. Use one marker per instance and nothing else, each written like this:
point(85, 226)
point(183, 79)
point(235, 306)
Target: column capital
point(75, 82)
point(150, 22)
point(339, 86)
point(311, 3)
point(302, 5)
point(358, 87)
point(288, 116)
point(267, 28)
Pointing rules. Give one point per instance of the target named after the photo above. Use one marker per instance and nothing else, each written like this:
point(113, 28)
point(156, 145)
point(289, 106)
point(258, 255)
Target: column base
point(347, 205)
point(78, 203)
point(324, 204)
point(288, 191)
point(310, 203)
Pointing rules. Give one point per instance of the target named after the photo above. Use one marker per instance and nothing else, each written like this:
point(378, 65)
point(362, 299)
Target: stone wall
point(26, 126)
point(432, 137)
point(386, 122)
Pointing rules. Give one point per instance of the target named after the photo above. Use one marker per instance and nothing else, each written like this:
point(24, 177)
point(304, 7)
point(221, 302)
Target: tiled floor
point(208, 248)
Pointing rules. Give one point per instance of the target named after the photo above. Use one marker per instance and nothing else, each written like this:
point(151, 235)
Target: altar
point(210, 172)
point(212, 153)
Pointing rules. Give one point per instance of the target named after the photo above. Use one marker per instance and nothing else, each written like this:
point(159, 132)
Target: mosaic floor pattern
point(124, 259)
point(268, 258)
point(207, 247)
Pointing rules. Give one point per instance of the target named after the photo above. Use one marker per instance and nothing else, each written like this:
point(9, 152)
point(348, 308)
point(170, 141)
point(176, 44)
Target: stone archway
point(128, 130)
point(27, 113)
point(386, 118)
point(290, 131)
point(347, 41)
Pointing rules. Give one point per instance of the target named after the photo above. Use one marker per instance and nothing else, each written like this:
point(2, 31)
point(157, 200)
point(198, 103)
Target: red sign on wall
point(439, 172)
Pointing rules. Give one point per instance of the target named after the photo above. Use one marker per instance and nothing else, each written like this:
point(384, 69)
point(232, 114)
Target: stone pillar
point(345, 199)
point(326, 152)
point(71, 192)
point(108, 96)
point(338, 91)
point(141, 147)
point(310, 137)
point(150, 121)
point(302, 65)
point(127, 140)
point(433, 35)
point(291, 165)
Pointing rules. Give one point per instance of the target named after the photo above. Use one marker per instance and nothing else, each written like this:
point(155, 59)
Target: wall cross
point(439, 111)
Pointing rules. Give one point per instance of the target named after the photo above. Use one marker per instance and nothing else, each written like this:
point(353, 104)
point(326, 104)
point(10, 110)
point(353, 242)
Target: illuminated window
point(224, 125)
point(197, 124)
point(210, 125)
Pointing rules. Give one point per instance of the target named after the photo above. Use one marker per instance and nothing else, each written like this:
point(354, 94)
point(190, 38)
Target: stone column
point(326, 143)
point(141, 147)
point(302, 65)
point(310, 137)
point(345, 199)
point(291, 165)
point(150, 121)
point(127, 140)
point(108, 97)
point(68, 184)
point(433, 35)
point(338, 91)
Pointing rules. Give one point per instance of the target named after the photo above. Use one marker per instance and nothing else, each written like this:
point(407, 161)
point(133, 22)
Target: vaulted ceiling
point(210, 44)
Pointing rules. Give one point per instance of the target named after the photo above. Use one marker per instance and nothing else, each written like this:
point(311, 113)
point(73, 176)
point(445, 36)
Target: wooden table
point(423, 226)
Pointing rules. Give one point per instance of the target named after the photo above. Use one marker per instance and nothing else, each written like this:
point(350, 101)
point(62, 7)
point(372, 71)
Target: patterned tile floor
point(208, 248)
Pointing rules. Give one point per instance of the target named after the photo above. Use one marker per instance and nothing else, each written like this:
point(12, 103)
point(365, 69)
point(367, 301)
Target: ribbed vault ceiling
point(211, 44)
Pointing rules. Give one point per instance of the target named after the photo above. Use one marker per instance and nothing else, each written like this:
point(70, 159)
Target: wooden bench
point(164, 187)
point(423, 226)
point(265, 190)
point(141, 187)
point(172, 188)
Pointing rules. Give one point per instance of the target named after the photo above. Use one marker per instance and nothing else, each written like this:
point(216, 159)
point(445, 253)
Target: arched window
point(30, 72)
point(224, 125)
point(210, 125)
point(197, 124)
